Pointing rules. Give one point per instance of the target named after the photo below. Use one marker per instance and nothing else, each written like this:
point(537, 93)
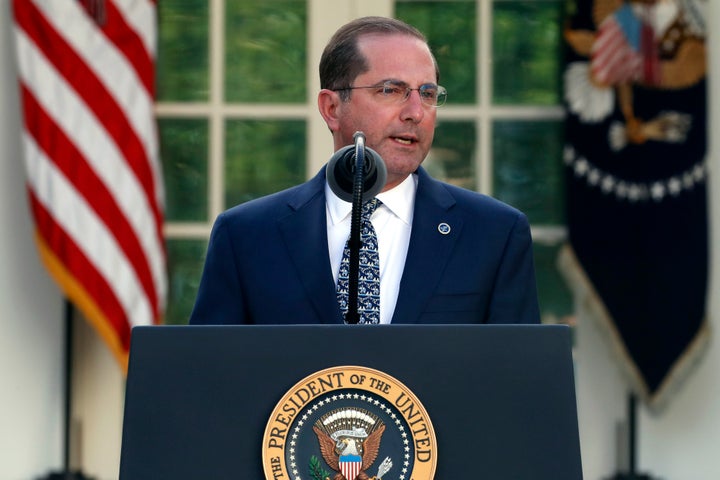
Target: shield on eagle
point(350, 465)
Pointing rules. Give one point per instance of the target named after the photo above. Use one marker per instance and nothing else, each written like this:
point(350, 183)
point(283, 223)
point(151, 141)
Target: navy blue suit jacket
point(268, 263)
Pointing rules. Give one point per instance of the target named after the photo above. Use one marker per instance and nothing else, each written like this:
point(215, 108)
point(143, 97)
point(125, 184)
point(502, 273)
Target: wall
point(30, 308)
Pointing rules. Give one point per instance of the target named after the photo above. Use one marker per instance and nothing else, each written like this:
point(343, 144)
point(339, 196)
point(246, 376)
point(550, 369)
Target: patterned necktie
point(369, 278)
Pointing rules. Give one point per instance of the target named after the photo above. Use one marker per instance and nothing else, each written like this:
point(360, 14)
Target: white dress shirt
point(392, 222)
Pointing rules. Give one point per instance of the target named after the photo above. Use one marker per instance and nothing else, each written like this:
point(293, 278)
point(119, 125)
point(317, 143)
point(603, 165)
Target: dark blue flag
point(635, 92)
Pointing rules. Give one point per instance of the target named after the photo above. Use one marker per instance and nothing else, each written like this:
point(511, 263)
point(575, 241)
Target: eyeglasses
point(396, 92)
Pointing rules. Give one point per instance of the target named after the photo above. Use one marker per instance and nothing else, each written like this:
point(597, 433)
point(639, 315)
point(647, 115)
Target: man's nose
point(413, 107)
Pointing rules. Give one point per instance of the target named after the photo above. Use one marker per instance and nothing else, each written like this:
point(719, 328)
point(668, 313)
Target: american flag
point(86, 75)
point(624, 50)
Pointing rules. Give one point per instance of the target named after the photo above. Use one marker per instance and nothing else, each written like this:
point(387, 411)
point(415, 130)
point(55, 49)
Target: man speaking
point(430, 252)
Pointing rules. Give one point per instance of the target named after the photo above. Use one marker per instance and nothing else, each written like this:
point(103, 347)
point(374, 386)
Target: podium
point(499, 399)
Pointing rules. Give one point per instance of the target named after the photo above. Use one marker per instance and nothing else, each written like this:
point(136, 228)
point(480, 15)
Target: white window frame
point(324, 17)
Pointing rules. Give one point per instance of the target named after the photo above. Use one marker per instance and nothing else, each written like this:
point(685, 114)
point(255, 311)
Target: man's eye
point(389, 90)
point(429, 93)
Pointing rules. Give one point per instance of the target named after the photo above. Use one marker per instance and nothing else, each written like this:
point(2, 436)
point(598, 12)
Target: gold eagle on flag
point(652, 43)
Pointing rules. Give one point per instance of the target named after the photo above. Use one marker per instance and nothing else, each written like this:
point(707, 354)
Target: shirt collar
point(398, 200)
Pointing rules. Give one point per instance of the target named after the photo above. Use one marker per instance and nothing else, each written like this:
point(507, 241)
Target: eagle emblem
point(655, 44)
point(349, 441)
point(340, 422)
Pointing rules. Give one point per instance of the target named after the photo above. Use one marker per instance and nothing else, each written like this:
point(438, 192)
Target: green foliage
point(262, 157)
point(183, 150)
point(528, 171)
point(452, 156)
point(316, 470)
point(526, 44)
point(185, 263)
point(182, 60)
point(265, 51)
point(556, 302)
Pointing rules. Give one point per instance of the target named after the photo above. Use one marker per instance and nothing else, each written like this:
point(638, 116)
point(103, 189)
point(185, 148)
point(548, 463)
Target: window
point(232, 113)
point(238, 119)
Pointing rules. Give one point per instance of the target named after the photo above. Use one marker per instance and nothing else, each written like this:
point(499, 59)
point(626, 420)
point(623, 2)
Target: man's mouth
point(405, 140)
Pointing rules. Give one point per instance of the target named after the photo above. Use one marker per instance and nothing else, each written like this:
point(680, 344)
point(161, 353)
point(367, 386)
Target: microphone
point(355, 173)
point(341, 170)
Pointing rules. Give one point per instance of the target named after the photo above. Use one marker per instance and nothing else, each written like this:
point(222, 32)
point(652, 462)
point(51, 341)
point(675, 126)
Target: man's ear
point(329, 106)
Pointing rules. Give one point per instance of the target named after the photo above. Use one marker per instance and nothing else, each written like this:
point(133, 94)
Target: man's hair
point(342, 62)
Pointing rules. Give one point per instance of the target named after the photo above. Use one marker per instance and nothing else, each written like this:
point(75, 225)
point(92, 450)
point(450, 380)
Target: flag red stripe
point(131, 46)
point(70, 161)
point(96, 96)
point(81, 268)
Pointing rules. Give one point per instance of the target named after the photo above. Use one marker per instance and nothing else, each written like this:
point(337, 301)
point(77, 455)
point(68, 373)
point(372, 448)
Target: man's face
point(401, 133)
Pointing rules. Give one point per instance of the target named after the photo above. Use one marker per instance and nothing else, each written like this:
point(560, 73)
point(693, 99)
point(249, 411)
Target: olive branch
point(317, 472)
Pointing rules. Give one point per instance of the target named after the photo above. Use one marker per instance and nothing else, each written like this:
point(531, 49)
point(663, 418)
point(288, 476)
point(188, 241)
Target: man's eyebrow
point(394, 81)
point(400, 83)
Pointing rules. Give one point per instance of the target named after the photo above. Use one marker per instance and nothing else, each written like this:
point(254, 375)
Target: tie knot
point(369, 208)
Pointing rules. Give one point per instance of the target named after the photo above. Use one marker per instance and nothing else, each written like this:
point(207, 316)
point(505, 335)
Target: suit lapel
point(434, 233)
point(304, 232)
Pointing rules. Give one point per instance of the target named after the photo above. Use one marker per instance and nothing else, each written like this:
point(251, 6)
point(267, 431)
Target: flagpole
point(632, 445)
point(66, 473)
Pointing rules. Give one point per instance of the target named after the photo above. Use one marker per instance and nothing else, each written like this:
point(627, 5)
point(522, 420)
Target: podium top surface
point(501, 398)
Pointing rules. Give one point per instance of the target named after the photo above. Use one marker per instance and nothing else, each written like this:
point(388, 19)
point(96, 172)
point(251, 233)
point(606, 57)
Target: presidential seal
point(349, 423)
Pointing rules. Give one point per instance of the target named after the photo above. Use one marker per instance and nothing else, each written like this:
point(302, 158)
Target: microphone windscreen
point(340, 171)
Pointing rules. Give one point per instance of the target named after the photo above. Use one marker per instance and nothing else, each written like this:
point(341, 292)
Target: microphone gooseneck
point(355, 173)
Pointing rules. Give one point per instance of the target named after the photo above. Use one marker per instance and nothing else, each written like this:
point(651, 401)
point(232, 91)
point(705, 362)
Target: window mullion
point(484, 170)
point(216, 119)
